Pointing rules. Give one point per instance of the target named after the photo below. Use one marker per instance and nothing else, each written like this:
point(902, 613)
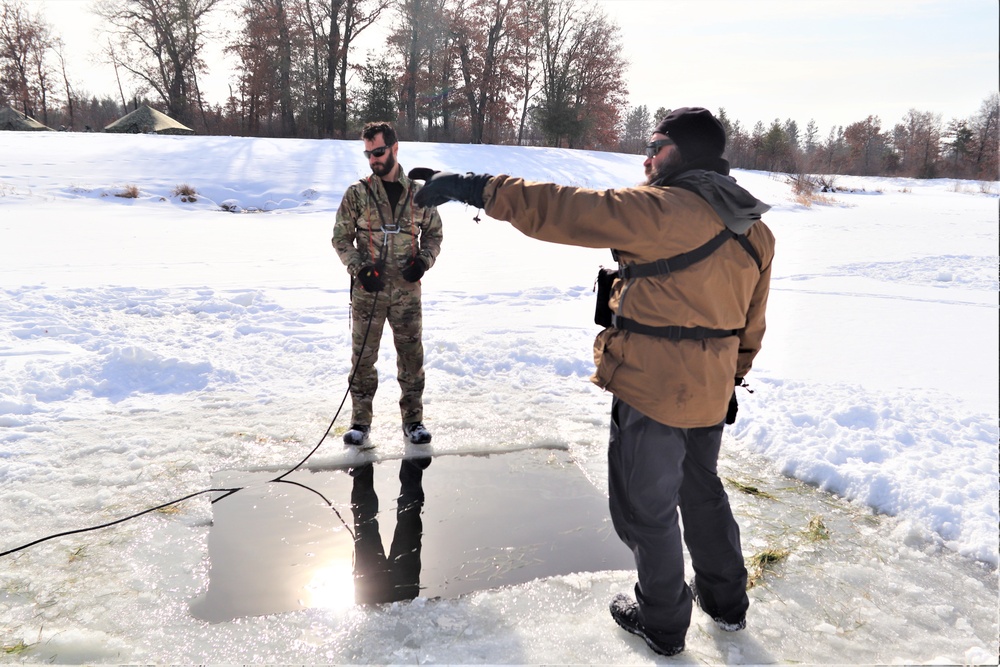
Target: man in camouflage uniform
point(387, 243)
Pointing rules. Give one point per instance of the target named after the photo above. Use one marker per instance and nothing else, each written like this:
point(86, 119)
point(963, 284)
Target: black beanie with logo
point(698, 134)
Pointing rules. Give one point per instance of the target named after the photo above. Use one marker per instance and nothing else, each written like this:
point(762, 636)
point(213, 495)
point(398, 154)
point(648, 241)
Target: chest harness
point(391, 227)
point(663, 267)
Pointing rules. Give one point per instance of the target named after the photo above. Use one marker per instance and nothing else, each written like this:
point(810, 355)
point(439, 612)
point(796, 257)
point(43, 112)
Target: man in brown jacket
point(687, 320)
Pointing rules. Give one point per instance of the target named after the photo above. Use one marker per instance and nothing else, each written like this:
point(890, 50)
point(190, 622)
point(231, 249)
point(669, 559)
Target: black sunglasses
point(653, 147)
point(377, 152)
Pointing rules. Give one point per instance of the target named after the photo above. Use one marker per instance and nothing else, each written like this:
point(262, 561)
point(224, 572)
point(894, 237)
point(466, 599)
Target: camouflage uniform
point(361, 236)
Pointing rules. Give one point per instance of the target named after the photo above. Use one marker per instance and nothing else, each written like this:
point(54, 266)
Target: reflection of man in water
point(377, 578)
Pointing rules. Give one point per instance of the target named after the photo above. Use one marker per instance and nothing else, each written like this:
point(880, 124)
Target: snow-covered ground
point(147, 343)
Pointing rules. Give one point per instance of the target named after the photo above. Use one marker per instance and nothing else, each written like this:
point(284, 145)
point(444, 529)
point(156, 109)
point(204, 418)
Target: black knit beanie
point(697, 133)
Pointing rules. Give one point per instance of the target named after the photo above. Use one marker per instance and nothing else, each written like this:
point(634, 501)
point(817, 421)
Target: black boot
point(626, 614)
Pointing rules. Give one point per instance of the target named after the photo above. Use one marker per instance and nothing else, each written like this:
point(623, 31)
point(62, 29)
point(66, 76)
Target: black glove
point(734, 407)
point(421, 173)
point(444, 187)
point(414, 269)
point(371, 278)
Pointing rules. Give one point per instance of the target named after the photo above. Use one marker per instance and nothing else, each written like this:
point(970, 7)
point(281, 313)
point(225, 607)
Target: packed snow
point(149, 342)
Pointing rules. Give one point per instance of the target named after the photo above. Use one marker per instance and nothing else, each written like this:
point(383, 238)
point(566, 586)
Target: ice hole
point(396, 529)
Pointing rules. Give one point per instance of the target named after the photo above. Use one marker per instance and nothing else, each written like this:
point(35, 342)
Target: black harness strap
point(745, 242)
point(662, 267)
point(670, 332)
point(392, 227)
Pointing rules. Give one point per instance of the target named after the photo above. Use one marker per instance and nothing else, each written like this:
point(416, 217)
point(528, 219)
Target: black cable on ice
point(227, 491)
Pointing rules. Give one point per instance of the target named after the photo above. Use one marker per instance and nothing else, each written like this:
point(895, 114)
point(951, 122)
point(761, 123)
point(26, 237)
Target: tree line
point(517, 72)
point(920, 145)
point(480, 71)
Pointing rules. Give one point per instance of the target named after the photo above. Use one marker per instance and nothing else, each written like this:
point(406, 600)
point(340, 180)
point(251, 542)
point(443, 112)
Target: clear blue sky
point(834, 61)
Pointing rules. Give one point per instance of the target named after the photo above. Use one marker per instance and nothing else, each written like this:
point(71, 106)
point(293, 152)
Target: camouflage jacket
point(365, 223)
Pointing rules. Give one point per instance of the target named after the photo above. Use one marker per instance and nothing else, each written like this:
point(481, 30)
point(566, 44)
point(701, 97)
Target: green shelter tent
point(145, 120)
point(12, 119)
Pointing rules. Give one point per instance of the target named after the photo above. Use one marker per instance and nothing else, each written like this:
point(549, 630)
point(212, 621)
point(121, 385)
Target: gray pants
point(653, 470)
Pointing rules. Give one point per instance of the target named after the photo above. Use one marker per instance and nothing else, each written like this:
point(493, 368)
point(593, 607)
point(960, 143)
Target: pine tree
point(377, 98)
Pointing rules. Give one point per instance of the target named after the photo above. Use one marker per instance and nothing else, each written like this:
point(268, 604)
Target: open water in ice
point(391, 530)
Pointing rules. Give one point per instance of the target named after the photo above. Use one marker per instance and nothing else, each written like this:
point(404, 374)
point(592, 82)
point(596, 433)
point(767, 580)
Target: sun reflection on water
point(332, 586)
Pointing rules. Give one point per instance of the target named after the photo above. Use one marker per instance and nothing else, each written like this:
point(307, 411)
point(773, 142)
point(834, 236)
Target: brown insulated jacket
point(684, 383)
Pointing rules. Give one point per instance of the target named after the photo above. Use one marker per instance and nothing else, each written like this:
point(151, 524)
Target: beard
point(665, 167)
point(381, 169)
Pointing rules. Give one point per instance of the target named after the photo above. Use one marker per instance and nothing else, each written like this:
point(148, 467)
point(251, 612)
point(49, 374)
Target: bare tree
point(258, 47)
point(359, 15)
point(528, 72)
point(324, 24)
point(868, 146)
point(333, 47)
point(65, 77)
point(113, 56)
point(985, 126)
point(422, 42)
point(558, 50)
point(284, 49)
point(485, 30)
point(25, 41)
point(917, 141)
point(832, 155)
point(294, 63)
point(160, 43)
point(600, 95)
point(583, 75)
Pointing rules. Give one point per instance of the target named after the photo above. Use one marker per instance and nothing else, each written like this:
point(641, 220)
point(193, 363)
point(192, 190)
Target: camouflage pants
point(399, 303)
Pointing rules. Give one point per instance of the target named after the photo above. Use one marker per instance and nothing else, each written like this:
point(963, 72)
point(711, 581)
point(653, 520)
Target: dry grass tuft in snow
point(186, 192)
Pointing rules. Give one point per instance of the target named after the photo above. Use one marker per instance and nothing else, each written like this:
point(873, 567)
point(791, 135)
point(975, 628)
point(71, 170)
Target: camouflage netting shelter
point(12, 119)
point(144, 120)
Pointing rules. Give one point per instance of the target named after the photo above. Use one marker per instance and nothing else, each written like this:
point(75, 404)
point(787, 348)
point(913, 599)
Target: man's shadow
point(377, 578)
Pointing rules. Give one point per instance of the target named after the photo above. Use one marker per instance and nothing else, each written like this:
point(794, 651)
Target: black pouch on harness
point(605, 278)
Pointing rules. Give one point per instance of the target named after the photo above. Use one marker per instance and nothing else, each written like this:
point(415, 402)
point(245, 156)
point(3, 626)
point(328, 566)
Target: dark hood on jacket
point(736, 206)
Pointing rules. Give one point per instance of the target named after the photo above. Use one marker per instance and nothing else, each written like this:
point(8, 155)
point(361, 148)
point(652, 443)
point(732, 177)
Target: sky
point(148, 344)
point(832, 61)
